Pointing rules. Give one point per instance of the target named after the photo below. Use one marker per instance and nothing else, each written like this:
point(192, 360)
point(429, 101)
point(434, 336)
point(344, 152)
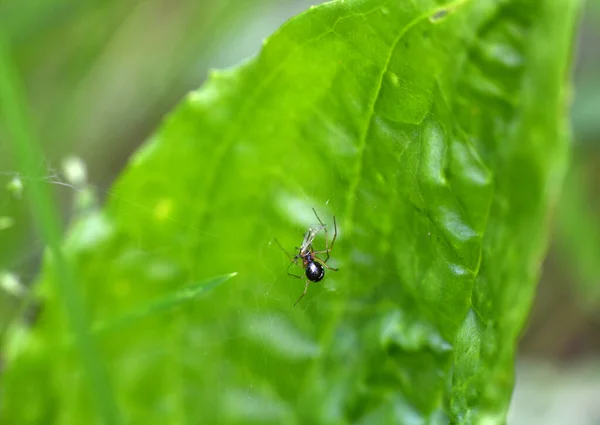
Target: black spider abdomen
point(314, 271)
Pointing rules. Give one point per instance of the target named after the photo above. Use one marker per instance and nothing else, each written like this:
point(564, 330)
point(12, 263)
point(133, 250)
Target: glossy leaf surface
point(433, 131)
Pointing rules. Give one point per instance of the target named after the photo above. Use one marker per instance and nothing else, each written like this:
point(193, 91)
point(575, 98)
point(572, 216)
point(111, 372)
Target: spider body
point(314, 271)
point(314, 267)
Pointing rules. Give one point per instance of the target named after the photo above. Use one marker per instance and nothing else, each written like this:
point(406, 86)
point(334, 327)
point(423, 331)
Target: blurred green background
point(101, 75)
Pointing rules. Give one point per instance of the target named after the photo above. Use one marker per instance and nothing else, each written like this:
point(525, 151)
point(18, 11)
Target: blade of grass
point(15, 118)
point(578, 233)
point(162, 304)
point(155, 306)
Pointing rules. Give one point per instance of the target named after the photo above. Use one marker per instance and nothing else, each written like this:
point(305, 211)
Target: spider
point(313, 265)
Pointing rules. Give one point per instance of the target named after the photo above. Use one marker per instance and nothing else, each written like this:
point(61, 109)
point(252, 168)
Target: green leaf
point(435, 132)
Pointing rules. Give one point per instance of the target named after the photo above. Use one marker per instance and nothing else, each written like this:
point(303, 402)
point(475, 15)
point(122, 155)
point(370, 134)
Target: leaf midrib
point(338, 308)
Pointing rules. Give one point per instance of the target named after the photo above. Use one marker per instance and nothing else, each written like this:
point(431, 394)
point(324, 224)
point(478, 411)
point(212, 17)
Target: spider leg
point(330, 247)
point(327, 246)
point(323, 263)
point(303, 294)
point(334, 234)
point(320, 222)
point(283, 249)
point(288, 269)
point(294, 259)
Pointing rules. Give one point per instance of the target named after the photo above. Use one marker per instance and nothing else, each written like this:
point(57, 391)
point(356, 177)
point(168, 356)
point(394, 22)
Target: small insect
point(313, 265)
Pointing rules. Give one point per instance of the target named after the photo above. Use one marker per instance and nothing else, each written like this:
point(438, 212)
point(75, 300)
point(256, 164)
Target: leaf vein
point(351, 198)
